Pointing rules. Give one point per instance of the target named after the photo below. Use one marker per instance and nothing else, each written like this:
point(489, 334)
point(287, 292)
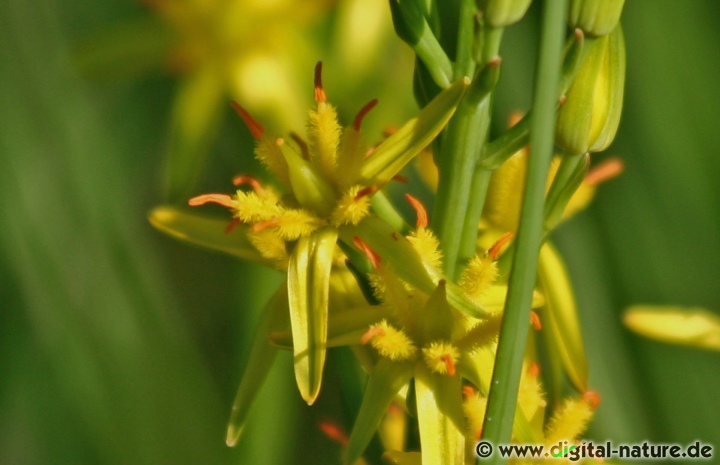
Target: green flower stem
point(464, 64)
point(515, 138)
point(468, 239)
point(458, 190)
point(513, 335)
point(462, 142)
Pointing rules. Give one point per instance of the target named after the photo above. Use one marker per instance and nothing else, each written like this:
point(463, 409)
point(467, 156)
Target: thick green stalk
point(513, 335)
point(460, 148)
point(458, 190)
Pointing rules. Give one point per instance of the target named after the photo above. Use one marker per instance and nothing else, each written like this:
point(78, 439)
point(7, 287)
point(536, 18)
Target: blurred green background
point(119, 345)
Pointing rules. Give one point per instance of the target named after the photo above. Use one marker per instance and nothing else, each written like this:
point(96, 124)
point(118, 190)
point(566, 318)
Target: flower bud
point(502, 13)
point(589, 118)
point(595, 17)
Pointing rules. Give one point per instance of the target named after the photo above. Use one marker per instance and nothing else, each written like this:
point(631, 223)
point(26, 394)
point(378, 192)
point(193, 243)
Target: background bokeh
point(119, 345)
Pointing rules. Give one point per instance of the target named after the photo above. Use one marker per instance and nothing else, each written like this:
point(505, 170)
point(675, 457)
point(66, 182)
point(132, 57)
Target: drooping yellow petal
point(271, 247)
point(474, 409)
point(530, 394)
point(688, 326)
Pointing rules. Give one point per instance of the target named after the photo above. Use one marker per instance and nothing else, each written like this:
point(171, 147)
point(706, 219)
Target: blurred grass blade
point(308, 288)
point(194, 124)
point(262, 356)
point(440, 418)
point(206, 232)
point(687, 326)
point(560, 318)
point(125, 50)
point(386, 380)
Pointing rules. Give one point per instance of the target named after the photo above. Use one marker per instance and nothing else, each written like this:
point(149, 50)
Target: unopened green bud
point(589, 118)
point(595, 17)
point(502, 13)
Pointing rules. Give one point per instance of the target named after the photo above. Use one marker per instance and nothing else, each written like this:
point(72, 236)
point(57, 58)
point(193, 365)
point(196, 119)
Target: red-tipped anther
point(389, 131)
point(400, 178)
point(361, 114)
point(592, 398)
point(271, 223)
point(369, 253)
point(334, 432)
point(241, 179)
point(468, 391)
point(448, 361)
point(514, 118)
point(304, 150)
point(534, 369)
point(231, 225)
point(422, 216)
point(220, 199)
point(370, 334)
point(497, 247)
point(606, 170)
point(370, 190)
point(394, 410)
point(320, 96)
point(256, 129)
point(535, 320)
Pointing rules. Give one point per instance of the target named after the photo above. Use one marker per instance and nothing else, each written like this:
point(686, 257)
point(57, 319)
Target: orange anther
point(220, 199)
point(514, 118)
point(422, 216)
point(271, 223)
point(468, 391)
point(535, 320)
point(334, 432)
point(231, 225)
point(400, 178)
point(369, 253)
point(241, 179)
point(395, 410)
point(592, 398)
point(604, 171)
point(497, 247)
point(363, 111)
point(369, 152)
point(370, 334)
point(370, 190)
point(562, 100)
point(389, 131)
point(256, 129)
point(320, 96)
point(534, 369)
point(302, 144)
point(448, 361)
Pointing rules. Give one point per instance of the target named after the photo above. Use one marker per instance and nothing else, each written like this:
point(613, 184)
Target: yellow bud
point(595, 17)
point(589, 118)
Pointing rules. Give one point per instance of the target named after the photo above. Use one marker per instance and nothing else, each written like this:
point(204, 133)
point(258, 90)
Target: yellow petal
point(689, 326)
